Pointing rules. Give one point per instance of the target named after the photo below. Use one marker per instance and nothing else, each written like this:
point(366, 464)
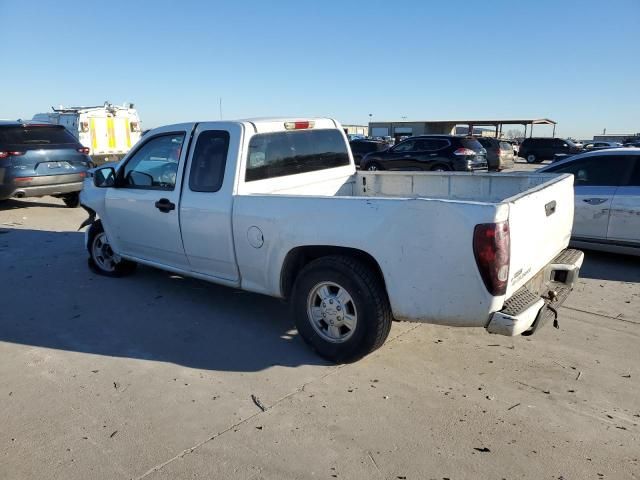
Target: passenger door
point(402, 157)
point(142, 209)
point(207, 201)
point(596, 180)
point(624, 221)
point(429, 155)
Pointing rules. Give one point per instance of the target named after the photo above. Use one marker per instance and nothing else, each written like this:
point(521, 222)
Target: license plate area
point(53, 167)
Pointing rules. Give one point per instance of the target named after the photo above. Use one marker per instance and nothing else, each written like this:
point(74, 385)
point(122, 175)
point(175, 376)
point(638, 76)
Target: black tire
point(532, 158)
point(369, 297)
point(373, 167)
point(120, 268)
point(441, 167)
point(72, 200)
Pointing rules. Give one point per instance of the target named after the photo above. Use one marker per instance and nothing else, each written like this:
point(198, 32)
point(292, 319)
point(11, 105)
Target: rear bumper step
point(534, 303)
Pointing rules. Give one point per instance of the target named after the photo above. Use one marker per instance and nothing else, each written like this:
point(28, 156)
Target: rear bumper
point(18, 191)
point(533, 304)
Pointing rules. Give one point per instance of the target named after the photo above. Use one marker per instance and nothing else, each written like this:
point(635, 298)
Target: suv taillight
point(13, 153)
point(464, 151)
point(83, 150)
point(491, 247)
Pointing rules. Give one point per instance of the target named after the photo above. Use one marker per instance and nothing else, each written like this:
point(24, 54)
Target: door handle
point(594, 201)
point(165, 205)
point(407, 156)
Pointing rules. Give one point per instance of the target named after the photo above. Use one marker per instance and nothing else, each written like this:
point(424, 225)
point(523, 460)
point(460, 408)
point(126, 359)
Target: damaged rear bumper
point(537, 301)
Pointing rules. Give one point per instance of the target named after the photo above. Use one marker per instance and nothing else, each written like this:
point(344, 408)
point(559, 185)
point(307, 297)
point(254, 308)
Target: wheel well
point(297, 258)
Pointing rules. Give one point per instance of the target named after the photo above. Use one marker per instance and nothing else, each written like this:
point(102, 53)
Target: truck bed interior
point(453, 186)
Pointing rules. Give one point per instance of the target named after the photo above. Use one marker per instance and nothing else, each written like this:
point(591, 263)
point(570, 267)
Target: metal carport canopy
point(499, 123)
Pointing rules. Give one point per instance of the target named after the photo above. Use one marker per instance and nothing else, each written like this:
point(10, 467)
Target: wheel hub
point(332, 312)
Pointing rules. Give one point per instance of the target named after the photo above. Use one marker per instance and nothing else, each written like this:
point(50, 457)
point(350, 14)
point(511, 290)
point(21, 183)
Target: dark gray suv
point(41, 159)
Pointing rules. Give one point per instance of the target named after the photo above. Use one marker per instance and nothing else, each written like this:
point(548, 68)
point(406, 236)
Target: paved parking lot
point(159, 377)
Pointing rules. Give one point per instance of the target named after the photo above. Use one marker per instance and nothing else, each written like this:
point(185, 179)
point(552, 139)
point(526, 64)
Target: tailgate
point(540, 222)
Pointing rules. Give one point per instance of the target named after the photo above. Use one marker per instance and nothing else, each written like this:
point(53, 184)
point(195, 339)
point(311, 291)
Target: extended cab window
point(154, 165)
point(602, 170)
point(288, 153)
point(209, 160)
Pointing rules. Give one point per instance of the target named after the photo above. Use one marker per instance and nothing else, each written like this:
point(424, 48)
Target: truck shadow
point(14, 204)
point(51, 299)
point(610, 266)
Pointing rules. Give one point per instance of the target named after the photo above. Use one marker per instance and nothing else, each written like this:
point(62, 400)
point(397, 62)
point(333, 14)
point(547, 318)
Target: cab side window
point(155, 164)
point(209, 161)
point(602, 170)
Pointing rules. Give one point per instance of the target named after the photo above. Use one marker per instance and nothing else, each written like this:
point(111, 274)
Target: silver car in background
point(607, 199)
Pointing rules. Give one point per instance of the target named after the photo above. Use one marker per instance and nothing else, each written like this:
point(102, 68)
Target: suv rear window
point(471, 143)
point(289, 153)
point(36, 136)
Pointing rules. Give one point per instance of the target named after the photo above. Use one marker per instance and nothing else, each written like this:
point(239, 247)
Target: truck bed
point(409, 218)
point(454, 186)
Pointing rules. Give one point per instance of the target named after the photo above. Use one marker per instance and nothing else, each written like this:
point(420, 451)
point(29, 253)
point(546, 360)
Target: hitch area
point(538, 301)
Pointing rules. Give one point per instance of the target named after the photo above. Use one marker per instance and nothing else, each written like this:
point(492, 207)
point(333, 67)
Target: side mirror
point(104, 177)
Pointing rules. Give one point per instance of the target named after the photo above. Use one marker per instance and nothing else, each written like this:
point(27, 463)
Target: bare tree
point(514, 133)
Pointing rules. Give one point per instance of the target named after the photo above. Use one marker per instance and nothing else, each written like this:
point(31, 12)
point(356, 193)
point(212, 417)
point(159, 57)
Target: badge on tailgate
point(550, 208)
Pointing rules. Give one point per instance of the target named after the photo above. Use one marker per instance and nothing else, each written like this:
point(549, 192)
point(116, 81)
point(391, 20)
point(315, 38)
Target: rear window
point(288, 153)
point(471, 143)
point(505, 146)
point(36, 136)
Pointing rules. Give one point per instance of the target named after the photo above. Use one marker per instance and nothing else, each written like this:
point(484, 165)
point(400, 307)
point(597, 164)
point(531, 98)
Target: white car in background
point(600, 145)
point(607, 199)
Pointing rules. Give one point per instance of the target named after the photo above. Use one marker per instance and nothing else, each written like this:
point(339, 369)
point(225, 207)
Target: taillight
point(84, 150)
point(298, 125)
point(491, 247)
point(12, 153)
point(464, 151)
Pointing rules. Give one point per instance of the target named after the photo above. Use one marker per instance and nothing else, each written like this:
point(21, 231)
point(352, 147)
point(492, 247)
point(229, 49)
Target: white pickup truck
point(276, 206)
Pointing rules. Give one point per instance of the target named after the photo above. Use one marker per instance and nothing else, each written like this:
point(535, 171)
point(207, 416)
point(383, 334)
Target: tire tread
point(384, 316)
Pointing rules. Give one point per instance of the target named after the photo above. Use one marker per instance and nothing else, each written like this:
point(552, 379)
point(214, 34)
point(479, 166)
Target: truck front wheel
point(341, 308)
point(102, 259)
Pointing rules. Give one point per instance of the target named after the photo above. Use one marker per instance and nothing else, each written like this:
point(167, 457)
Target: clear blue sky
point(577, 62)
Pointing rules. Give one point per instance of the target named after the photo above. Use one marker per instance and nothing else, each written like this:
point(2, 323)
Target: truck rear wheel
point(102, 259)
point(341, 308)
